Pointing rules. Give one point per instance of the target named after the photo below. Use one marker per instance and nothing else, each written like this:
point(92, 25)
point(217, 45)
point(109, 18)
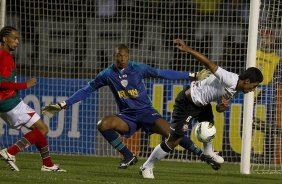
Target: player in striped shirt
point(14, 111)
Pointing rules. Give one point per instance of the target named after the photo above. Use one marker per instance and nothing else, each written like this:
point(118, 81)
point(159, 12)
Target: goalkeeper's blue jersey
point(127, 85)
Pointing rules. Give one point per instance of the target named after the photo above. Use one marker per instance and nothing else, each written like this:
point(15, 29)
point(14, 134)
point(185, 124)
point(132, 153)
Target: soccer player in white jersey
point(194, 103)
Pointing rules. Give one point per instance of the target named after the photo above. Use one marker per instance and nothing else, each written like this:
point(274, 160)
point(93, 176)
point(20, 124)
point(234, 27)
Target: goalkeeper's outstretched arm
point(80, 95)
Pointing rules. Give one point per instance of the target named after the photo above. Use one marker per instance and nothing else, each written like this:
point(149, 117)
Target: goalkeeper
point(194, 103)
point(125, 79)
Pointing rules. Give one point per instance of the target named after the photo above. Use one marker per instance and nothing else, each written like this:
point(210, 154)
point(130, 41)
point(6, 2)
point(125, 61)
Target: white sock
point(208, 149)
point(157, 154)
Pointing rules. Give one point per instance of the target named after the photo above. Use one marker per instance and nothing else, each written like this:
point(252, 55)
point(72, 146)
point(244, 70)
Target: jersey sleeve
point(79, 95)
point(13, 85)
point(173, 75)
point(92, 86)
point(228, 79)
point(100, 80)
point(148, 71)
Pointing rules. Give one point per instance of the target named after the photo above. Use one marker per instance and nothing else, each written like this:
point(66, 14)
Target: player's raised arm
point(180, 44)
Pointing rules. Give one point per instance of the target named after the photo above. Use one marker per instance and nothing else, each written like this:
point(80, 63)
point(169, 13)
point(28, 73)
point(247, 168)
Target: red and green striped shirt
point(8, 85)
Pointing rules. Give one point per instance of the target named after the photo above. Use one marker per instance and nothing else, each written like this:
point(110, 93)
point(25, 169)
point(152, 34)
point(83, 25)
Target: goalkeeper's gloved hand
point(208, 159)
point(201, 75)
point(204, 73)
point(51, 109)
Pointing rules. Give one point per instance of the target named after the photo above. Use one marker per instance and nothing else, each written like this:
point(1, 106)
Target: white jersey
point(221, 83)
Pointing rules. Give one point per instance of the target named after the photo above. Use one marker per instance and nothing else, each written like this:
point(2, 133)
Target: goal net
point(267, 140)
point(66, 43)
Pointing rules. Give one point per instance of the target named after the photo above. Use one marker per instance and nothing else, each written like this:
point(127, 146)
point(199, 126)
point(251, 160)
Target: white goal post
point(66, 43)
point(249, 98)
point(3, 12)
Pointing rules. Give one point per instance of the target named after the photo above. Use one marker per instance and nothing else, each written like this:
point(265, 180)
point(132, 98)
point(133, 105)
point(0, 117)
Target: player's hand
point(208, 159)
point(225, 101)
point(223, 105)
point(204, 73)
point(51, 109)
point(180, 44)
point(31, 82)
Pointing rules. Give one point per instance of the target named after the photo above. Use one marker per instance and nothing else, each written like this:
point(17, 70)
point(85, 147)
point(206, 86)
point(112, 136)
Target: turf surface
point(86, 169)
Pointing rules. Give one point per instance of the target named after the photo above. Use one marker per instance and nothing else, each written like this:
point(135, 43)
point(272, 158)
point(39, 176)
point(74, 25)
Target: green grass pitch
point(87, 169)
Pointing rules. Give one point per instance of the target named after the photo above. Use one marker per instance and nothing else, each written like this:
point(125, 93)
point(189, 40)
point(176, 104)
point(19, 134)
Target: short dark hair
point(6, 31)
point(122, 46)
point(252, 73)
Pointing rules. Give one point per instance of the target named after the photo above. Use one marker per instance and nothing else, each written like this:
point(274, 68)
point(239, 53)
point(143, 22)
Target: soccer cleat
point(214, 165)
point(208, 159)
point(216, 157)
point(54, 168)
point(9, 159)
point(147, 173)
point(125, 163)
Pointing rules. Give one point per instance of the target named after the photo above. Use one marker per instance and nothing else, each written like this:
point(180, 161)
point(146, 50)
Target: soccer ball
point(205, 131)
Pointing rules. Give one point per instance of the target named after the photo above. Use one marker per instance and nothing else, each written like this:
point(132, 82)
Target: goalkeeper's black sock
point(189, 145)
point(113, 138)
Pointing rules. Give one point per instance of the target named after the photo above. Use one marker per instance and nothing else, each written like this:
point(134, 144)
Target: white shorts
point(21, 115)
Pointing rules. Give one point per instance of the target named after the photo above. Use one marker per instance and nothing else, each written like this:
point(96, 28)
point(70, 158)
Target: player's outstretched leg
point(209, 160)
point(208, 150)
point(217, 158)
point(125, 163)
point(113, 138)
point(34, 137)
point(9, 159)
point(43, 148)
point(159, 152)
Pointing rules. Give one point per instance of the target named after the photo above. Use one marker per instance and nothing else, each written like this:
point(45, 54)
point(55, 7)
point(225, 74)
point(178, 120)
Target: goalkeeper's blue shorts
point(137, 120)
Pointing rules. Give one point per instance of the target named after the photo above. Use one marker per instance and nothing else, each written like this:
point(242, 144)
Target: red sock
point(13, 150)
point(28, 139)
point(37, 138)
point(43, 147)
